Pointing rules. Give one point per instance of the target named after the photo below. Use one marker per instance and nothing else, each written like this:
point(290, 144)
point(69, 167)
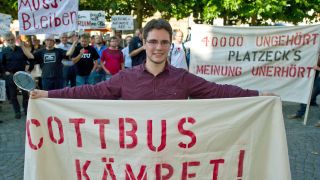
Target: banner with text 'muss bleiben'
point(222, 139)
point(272, 59)
point(47, 17)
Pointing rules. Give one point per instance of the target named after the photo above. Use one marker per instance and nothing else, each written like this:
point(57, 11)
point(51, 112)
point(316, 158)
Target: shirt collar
point(144, 69)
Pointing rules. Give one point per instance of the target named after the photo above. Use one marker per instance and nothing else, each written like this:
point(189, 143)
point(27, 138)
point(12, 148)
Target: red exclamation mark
point(240, 164)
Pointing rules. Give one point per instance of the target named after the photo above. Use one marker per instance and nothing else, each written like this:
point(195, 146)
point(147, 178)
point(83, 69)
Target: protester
point(121, 43)
point(99, 74)
point(112, 58)
point(69, 76)
point(126, 56)
point(85, 58)
point(50, 60)
point(136, 50)
point(315, 92)
point(178, 52)
point(14, 59)
point(153, 80)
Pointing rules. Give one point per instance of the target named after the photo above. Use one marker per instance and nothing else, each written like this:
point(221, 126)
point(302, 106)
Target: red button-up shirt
point(138, 84)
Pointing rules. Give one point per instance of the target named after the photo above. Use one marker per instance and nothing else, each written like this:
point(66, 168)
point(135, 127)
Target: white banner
point(47, 17)
point(5, 21)
point(91, 20)
point(2, 90)
point(122, 22)
point(242, 138)
point(272, 59)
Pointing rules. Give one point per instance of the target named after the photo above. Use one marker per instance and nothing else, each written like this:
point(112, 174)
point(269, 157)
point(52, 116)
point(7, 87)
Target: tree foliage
point(9, 7)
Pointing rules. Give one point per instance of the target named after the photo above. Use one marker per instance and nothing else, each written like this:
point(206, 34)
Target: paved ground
point(303, 144)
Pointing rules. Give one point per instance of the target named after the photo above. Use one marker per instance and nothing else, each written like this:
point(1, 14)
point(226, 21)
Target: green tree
point(9, 7)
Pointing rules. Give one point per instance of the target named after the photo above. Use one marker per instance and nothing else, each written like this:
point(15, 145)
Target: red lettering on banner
point(187, 132)
point(219, 70)
point(291, 71)
point(42, 24)
point(82, 171)
point(102, 123)
point(25, 19)
point(77, 122)
point(141, 176)
point(223, 41)
point(131, 133)
point(48, 21)
point(37, 4)
point(185, 175)
point(216, 163)
point(108, 169)
point(240, 164)
point(159, 168)
point(26, 3)
point(58, 121)
point(163, 142)
point(37, 124)
point(45, 5)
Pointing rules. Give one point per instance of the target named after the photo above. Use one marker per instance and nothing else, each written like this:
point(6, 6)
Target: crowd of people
point(151, 64)
point(73, 60)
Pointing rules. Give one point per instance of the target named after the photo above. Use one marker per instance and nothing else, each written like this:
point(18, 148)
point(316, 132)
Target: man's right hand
point(35, 94)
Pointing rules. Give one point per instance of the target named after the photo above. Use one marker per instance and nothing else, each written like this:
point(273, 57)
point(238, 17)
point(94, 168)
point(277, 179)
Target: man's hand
point(267, 94)
point(35, 94)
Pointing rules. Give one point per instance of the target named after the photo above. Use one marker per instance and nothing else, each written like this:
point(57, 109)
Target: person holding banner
point(153, 80)
point(315, 92)
point(14, 59)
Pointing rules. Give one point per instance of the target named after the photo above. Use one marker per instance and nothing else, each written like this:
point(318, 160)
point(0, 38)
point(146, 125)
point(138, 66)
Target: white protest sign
point(91, 20)
point(47, 17)
point(2, 90)
point(272, 59)
point(5, 21)
point(122, 22)
point(240, 138)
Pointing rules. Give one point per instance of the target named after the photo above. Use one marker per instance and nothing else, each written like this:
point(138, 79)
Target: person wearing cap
point(14, 58)
point(50, 60)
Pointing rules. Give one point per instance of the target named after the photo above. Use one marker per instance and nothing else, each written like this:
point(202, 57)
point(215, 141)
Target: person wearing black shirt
point(136, 50)
point(14, 59)
point(50, 60)
point(85, 58)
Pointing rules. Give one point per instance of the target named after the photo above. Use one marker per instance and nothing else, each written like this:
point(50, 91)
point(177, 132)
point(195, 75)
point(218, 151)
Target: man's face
point(64, 39)
point(84, 42)
point(49, 43)
point(114, 43)
point(157, 46)
point(10, 41)
point(179, 37)
point(98, 39)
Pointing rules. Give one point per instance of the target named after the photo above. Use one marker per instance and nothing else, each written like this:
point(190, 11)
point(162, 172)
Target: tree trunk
point(139, 13)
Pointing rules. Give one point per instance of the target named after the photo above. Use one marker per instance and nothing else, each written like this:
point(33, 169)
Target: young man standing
point(85, 58)
point(153, 80)
point(68, 67)
point(112, 58)
point(136, 49)
point(50, 60)
point(178, 52)
point(126, 56)
point(99, 74)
